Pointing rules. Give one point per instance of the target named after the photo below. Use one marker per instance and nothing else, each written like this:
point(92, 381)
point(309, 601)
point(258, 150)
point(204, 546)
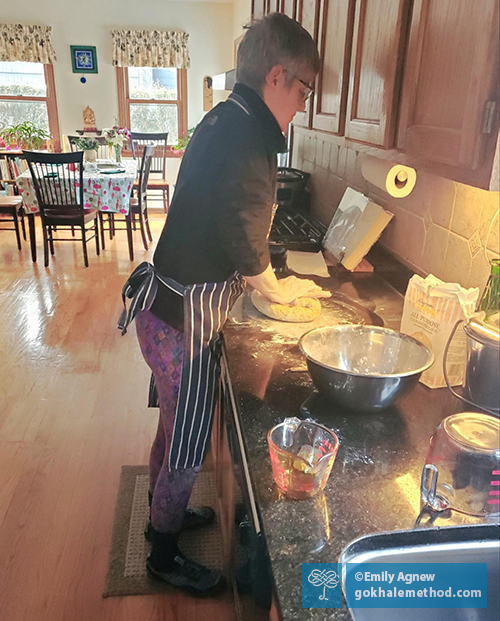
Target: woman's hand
point(286, 290)
point(292, 288)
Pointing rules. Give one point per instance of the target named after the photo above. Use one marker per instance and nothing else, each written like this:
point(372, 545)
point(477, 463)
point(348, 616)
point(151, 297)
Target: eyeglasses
point(308, 91)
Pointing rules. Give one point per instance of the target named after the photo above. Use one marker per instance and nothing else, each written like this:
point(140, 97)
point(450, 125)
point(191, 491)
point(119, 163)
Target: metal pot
point(364, 368)
point(290, 186)
point(481, 385)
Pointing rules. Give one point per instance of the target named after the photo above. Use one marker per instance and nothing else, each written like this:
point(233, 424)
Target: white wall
point(242, 10)
point(88, 22)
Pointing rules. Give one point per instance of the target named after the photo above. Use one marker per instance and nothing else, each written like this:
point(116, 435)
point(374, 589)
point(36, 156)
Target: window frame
point(124, 101)
point(50, 101)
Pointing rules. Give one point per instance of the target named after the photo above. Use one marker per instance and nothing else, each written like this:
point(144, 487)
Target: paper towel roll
point(395, 179)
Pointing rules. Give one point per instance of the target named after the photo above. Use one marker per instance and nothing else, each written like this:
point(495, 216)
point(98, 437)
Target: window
point(153, 99)
point(27, 93)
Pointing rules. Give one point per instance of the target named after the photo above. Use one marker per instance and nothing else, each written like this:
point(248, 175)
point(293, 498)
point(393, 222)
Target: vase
point(118, 153)
point(90, 155)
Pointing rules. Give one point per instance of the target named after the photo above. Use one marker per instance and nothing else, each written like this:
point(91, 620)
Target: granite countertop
point(374, 485)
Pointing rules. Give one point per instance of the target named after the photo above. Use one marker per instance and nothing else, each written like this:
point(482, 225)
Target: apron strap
point(141, 288)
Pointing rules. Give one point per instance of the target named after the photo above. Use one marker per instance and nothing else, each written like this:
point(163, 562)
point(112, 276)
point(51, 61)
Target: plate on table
point(109, 169)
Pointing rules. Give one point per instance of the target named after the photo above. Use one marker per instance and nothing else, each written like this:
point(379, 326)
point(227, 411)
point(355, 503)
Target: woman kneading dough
point(215, 236)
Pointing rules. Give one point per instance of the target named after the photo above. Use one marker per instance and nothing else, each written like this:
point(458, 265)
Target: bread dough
point(303, 310)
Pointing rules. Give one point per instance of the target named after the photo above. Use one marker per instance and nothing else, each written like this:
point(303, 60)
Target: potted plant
point(89, 146)
point(24, 135)
point(116, 137)
point(179, 147)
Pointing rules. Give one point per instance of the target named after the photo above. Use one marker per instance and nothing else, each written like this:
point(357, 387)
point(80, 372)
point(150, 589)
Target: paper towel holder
point(396, 179)
point(401, 179)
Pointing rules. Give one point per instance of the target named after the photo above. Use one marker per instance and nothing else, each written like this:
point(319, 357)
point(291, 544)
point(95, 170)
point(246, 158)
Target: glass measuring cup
point(462, 469)
point(302, 456)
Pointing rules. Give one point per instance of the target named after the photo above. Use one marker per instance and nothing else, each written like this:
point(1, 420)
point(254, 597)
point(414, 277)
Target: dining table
point(103, 189)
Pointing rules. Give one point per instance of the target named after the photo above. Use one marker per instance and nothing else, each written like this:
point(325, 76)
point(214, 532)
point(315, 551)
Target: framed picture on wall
point(83, 58)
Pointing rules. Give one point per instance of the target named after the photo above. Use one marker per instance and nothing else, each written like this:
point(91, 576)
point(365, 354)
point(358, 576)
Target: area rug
point(129, 549)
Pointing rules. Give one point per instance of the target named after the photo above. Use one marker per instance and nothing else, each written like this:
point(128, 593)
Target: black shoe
point(195, 517)
point(189, 576)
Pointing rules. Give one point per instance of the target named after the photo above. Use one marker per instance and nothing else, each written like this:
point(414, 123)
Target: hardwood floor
point(73, 411)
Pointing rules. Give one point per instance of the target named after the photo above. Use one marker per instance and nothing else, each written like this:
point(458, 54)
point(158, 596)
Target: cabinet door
point(379, 33)
point(335, 41)
point(307, 16)
point(259, 8)
point(450, 68)
point(273, 6)
point(289, 7)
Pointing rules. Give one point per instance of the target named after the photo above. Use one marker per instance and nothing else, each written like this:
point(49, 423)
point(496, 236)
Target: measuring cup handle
point(445, 359)
point(428, 484)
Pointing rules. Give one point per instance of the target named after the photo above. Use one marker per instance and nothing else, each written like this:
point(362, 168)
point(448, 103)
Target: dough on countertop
point(303, 310)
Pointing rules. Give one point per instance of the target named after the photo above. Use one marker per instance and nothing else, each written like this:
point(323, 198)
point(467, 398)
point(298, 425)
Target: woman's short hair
point(275, 40)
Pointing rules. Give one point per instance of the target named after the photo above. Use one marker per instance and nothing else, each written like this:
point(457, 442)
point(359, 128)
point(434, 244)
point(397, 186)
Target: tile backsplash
point(443, 227)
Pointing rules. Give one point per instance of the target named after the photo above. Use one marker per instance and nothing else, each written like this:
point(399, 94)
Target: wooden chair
point(138, 205)
point(159, 164)
point(102, 154)
point(10, 206)
point(59, 191)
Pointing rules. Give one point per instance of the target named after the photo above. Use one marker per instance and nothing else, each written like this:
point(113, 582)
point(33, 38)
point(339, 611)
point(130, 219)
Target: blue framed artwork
point(84, 58)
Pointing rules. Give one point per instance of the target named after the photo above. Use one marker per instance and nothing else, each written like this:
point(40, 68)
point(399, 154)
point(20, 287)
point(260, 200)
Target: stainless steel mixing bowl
point(365, 368)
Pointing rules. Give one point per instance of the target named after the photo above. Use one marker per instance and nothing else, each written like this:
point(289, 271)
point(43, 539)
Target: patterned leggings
point(163, 349)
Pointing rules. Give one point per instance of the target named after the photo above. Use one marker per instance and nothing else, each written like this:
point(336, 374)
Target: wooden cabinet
point(224, 479)
point(448, 106)
point(307, 16)
point(378, 43)
point(259, 8)
point(264, 7)
point(361, 44)
point(241, 532)
point(415, 81)
point(336, 22)
point(288, 7)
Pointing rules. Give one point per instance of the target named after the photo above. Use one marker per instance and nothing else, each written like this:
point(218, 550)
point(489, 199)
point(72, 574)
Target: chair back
point(159, 141)
point(102, 152)
point(58, 181)
point(147, 158)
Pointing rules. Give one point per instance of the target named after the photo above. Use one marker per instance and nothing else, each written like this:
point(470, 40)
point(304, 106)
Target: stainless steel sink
point(462, 544)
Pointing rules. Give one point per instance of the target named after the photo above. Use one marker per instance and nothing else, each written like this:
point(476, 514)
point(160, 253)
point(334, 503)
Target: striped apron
point(206, 309)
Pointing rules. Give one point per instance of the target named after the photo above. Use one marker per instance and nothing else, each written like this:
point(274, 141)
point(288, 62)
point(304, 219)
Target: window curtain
point(32, 44)
point(150, 48)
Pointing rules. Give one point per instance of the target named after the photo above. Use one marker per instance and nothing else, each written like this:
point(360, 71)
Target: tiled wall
point(441, 227)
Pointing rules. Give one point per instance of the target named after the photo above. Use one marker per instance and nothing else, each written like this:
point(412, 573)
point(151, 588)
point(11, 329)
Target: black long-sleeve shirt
point(220, 215)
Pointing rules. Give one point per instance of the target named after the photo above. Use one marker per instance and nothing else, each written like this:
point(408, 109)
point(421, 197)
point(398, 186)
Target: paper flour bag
point(431, 309)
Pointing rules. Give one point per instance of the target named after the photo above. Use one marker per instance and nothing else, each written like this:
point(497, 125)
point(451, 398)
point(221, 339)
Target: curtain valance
point(150, 48)
point(32, 44)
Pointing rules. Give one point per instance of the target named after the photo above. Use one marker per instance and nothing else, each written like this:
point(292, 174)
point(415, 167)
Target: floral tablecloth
point(100, 191)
